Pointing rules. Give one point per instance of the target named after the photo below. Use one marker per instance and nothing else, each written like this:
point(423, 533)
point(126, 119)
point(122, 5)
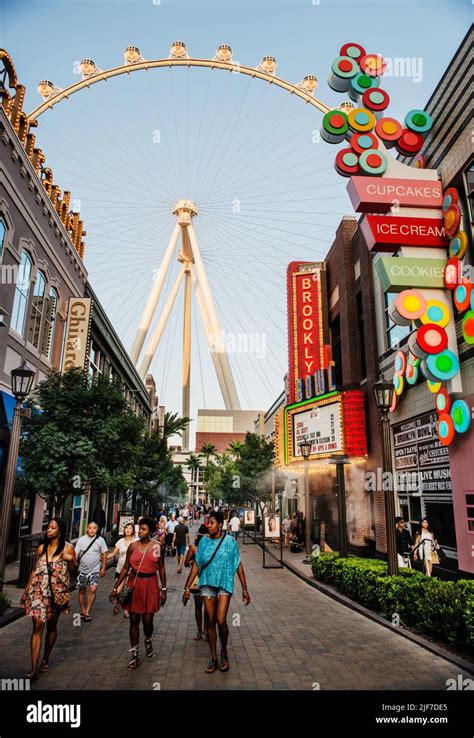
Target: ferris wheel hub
point(185, 210)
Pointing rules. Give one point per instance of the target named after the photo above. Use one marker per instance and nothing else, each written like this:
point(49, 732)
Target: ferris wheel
point(203, 191)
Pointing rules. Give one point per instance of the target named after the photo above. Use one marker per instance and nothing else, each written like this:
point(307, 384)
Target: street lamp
point(383, 393)
point(305, 448)
point(22, 381)
point(340, 462)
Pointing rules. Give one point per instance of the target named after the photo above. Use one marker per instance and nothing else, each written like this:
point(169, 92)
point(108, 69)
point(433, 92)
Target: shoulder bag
point(86, 550)
point(125, 595)
point(59, 600)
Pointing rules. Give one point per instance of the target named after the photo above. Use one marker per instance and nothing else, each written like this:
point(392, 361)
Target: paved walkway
point(290, 637)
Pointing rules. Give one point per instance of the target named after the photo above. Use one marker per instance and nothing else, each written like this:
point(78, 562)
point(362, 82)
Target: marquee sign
point(388, 233)
point(379, 195)
point(335, 424)
point(76, 343)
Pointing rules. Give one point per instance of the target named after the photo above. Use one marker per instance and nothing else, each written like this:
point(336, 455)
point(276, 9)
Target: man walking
point(181, 541)
point(234, 525)
point(404, 542)
point(170, 526)
point(91, 552)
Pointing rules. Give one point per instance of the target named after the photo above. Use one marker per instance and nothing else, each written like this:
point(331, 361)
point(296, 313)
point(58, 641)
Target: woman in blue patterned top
point(216, 562)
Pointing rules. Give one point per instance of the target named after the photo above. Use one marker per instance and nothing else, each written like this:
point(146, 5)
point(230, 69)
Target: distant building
point(221, 427)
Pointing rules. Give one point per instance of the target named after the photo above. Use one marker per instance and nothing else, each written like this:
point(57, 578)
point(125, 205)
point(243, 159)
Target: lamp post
point(22, 381)
point(383, 393)
point(340, 462)
point(305, 448)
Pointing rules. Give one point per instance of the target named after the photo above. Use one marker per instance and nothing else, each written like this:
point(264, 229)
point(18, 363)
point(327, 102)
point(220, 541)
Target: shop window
point(3, 231)
point(49, 323)
point(22, 291)
point(395, 333)
point(336, 350)
point(441, 519)
point(37, 310)
point(470, 512)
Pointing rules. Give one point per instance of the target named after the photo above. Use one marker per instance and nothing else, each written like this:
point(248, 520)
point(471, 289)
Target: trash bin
point(29, 544)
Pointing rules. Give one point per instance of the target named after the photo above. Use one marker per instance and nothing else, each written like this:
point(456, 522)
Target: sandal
point(212, 667)
point(198, 637)
point(32, 675)
point(225, 666)
point(149, 648)
point(87, 618)
point(134, 662)
point(44, 668)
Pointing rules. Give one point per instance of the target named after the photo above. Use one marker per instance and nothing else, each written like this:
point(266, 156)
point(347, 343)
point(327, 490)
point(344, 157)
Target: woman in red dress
point(144, 560)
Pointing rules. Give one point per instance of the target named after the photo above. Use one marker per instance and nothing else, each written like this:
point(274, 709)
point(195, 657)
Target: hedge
point(440, 608)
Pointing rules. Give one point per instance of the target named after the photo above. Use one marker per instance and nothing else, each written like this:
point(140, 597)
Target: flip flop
point(44, 668)
point(87, 618)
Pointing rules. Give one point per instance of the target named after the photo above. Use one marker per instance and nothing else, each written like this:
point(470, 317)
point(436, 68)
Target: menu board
point(417, 449)
point(320, 425)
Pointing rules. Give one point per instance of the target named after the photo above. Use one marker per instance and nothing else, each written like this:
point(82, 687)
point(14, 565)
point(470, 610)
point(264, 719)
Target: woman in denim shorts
point(217, 560)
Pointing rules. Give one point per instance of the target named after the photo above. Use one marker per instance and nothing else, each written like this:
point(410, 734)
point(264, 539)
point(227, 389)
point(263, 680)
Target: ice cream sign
point(405, 212)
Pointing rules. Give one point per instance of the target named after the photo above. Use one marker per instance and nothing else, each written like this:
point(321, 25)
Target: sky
point(246, 152)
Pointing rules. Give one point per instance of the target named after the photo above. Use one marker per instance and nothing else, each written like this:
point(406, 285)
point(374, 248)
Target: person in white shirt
point(120, 551)
point(234, 525)
point(170, 526)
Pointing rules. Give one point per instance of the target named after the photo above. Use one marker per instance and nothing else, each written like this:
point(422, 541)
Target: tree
point(208, 450)
point(174, 425)
point(219, 477)
point(157, 478)
point(235, 448)
point(79, 430)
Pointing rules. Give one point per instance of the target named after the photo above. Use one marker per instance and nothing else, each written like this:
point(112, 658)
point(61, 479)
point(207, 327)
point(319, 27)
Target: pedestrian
point(404, 542)
point(425, 547)
point(46, 594)
point(120, 551)
point(217, 560)
point(161, 529)
point(234, 526)
point(286, 527)
point(91, 552)
point(201, 621)
point(180, 541)
point(170, 526)
point(143, 561)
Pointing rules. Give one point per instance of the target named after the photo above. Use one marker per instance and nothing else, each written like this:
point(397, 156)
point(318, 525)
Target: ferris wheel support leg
point(154, 297)
point(217, 336)
point(209, 334)
point(186, 353)
point(155, 340)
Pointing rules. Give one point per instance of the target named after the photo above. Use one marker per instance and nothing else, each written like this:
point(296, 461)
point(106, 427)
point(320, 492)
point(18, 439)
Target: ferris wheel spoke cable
point(203, 107)
point(197, 343)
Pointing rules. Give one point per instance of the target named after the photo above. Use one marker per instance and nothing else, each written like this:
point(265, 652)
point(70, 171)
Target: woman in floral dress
point(45, 590)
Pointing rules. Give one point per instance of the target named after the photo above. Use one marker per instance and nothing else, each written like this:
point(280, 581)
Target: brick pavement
point(290, 637)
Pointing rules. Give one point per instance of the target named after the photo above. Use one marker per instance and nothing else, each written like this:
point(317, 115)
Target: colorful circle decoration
point(458, 245)
point(443, 366)
point(436, 312)
point(388, 130)
point(468, 327)
point(362, 83)
point(399, 384)
point(412, 373)
point(376, 100)
point(452, 274)
point(419, 162)
point(409, 142)
point(418, 121)
point(347, 163)
point(461, 416)
point(432, 338)
point(361, 120)
point(394, 404)
point(414, 359)
point(462, 296)
point(443, 401)
point(410, 305)
point(415, 347)
point(343, 69)
point(361, 142)
point(452, 220)
point(335, 126)
point(373, 162)
point(433, 387)
point(472, 300)
point(400, 363)
point(354, 51)
point(373, 65)
point(445, 429)
point(450, 197)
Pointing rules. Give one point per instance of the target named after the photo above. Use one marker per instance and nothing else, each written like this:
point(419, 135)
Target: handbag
point(125, 595)
point(434, 557)
point(59, 600)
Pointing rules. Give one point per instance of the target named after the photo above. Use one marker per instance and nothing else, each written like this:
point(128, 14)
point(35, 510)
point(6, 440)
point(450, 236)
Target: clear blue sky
point(223, 138)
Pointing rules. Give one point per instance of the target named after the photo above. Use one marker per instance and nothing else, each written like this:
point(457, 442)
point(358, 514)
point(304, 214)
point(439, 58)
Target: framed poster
point(271, 526)
point(249, 517)
point(125, 518)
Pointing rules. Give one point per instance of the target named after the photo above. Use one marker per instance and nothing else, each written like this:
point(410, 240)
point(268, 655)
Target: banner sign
point(398, 274)
point(76, 343)
point(373, 195)
point(418, 449)
point(387, 233)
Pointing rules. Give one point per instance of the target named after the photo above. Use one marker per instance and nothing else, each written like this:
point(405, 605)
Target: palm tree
point(235, 448)
point(173, 425)
point(207, 450)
